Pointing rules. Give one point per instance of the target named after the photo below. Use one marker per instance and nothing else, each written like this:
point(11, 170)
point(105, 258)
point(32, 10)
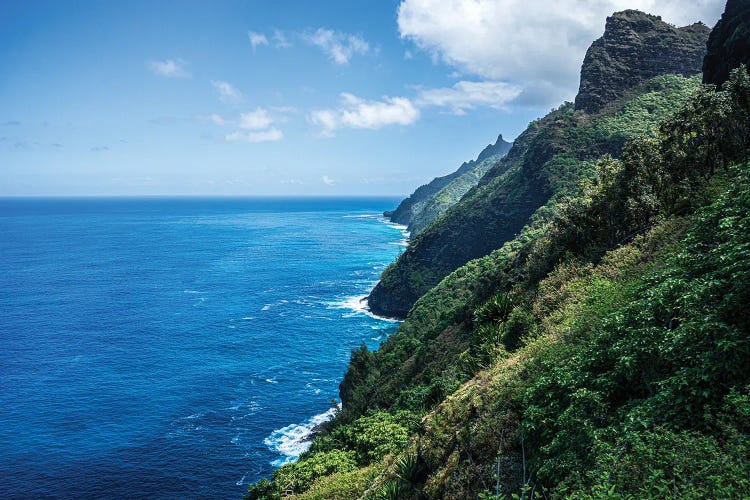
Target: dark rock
point(729, 43)
point(636, 47)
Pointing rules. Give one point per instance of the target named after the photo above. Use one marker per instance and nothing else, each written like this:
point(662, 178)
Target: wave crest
point(295, 439)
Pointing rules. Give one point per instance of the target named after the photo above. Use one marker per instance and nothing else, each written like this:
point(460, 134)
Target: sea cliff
point(576, 325)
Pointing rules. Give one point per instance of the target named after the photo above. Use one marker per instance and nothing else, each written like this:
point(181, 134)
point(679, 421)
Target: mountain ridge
point(599, 353)
point(538, 164)
point(415, 208)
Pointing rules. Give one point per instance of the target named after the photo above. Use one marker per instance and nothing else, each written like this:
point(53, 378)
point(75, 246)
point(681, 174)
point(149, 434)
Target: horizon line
point(193, 196)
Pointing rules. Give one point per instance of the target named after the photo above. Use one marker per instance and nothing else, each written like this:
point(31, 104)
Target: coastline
point(294, 439)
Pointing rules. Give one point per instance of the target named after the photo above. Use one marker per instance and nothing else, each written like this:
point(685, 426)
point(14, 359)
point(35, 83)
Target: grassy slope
point(632, 378)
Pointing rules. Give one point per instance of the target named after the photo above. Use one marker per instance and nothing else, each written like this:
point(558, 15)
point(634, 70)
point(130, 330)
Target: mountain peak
point(635, 47)
point(501, 146)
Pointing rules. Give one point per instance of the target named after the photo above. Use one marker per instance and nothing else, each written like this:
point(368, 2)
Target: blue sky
point(277, 97)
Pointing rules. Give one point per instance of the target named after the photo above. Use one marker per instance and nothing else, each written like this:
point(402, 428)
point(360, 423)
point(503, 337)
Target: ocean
point(177, 348)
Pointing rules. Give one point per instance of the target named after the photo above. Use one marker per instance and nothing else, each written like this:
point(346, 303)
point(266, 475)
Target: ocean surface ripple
point(177, 348)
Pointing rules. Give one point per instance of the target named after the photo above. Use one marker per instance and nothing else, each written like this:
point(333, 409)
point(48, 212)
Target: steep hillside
point(428, 211)
point(430, 201)
point(545, 162)
point(600, 353)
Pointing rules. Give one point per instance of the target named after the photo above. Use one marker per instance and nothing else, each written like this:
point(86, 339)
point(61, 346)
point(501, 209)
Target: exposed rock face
point(729, 43)
point(636, 47)
point(545, 160)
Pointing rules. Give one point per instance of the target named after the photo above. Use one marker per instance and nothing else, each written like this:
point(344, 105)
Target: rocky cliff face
point(550, 157)
point(729, 43)
point(636, 47)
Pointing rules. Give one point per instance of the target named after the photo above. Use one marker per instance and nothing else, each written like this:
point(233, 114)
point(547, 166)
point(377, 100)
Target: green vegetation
point(601, 351)
point(339, 460)
point(545, 165)
point(429, 210)
point(430, 201)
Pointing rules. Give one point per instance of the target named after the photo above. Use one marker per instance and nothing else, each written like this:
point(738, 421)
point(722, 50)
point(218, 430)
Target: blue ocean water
point(176, 348)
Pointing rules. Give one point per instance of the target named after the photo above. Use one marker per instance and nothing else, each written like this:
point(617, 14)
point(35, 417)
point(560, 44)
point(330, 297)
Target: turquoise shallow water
point(176, 348)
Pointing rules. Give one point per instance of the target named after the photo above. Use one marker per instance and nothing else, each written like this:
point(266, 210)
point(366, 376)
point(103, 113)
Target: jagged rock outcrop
point(729, 43)
point(431, 200)
point(636, 47)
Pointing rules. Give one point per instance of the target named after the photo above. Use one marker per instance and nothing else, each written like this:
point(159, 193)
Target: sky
point(278, 97)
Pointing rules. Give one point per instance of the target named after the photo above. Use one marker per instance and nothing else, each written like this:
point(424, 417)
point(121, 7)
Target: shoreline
point(294, 439)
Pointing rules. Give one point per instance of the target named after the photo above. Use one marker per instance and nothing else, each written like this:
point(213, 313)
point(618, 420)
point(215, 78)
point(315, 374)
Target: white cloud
point(539, 44)
point(217, 119)
point(255, 126)
point(257, 39)
point(271, 135)
point(466, 95)
point(227, 92)
point(170, 68)
point(355, 112)
point(327, 180)
point(340, 47)
point(255, 120)
point(280, 40)
point(326, 119)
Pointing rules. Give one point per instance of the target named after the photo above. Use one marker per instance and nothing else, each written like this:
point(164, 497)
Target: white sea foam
point(266, 307)
point(358, 304)
point(248, 318)
point(293, 440)
point(404, 229)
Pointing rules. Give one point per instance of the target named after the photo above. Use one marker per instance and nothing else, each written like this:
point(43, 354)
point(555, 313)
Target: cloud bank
point(538, 45)
point(466, 95)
